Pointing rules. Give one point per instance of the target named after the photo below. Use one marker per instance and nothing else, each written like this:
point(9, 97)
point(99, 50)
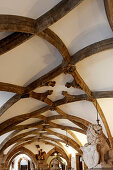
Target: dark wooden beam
point(56, 13)
point(12, 123)
point(15, 139)
point(18, 119)
point(92, 49)
point(50, 75)
point(23, 24)
point(102, 94)
point(54, 125)
point(109, 11)
point(15, 39)
point(17, 24)
point(9, 103)
point(11, 88)
point(80, 55)
point(8, 138)
point(73, 118)
point(72, 143)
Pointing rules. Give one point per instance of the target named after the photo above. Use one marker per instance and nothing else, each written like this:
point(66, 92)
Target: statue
point(41, 155)
point(55, 165)
point(97, 152)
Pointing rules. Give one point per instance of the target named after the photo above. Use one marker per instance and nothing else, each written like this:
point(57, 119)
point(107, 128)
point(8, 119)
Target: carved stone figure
point(97, 152)
point(55, 165)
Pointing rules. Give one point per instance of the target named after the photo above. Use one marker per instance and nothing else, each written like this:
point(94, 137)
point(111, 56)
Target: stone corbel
point(67, 96)
point(69, 68)
point(73, 84)
point(49, 83)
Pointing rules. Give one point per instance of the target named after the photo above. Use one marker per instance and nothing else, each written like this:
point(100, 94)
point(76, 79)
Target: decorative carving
point(49, 83)
point(67, 96)
point(40, 155)
point(55, 165)
point(90, 156)
point(97, 152)
point(41, 96)
point(37, 146)
point(73, 84)
point(53, 107)
point(69, 69)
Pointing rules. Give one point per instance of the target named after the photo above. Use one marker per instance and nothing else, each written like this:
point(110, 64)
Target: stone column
point(3, 165)
point(73, 162)
point(69, 164)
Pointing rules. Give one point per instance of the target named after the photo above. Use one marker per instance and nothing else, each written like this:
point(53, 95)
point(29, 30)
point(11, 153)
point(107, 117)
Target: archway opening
point(21, 162)
point(56, 161)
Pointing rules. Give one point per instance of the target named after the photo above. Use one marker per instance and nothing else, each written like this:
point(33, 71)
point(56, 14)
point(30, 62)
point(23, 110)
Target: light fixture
point(97, 115)
point(55, 154)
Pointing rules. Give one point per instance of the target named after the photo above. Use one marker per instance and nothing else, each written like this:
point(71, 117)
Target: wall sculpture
point(97, 152)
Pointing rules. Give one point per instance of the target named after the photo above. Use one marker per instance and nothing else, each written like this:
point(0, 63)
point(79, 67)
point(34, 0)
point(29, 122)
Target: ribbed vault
point(41, 108)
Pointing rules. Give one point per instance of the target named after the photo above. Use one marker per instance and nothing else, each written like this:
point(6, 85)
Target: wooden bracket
point(68, 97)
point(41, 96)
point(73, 84)
point(49, 83)
point(53, 107)
point(69, 69)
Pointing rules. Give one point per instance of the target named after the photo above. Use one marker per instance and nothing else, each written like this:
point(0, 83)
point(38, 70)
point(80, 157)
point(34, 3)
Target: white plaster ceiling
point(28, 61)
point(28, 8)
point(23, 106)
point(83, 26)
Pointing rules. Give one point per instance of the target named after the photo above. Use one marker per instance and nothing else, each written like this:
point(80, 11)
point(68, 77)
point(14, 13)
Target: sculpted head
point(93, 132)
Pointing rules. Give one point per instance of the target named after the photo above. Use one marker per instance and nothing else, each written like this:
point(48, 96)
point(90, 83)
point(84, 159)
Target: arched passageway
point(57, 159)
point(21, 159)
point(21, 162)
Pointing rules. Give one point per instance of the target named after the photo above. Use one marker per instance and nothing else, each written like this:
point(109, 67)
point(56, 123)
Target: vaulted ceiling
point(56, 69)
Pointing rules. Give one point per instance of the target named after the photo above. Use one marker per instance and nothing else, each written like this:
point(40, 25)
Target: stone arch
point(19, 162)
point(18, 151)
point(57, 158)
point(64, 155)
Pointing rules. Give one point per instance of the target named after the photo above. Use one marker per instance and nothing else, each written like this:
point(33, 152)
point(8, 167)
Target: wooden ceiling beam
point(52, 74)
point(21, 138)
point(89, 91)
point(15, 139)
point(8, 138)
point(9, 103)
point(71, 117)
point(71, 142)
point(56, 13)
point(12, 123)
point(75, 137)
point(16, 23)
point(13, 40)
point(62, 151)
point(11, 88)
point(109, 11)
point(23, 24)
point(80, 55)
point(12, 138)
point(54, 125)
point(91, 50)
point(18, 119)
point(102, 94)
point(70, 69)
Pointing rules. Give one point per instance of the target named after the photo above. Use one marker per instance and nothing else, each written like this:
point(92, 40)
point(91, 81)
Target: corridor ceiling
point(56, 68)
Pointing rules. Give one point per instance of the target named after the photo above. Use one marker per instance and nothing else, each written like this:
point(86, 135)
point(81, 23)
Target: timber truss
point(24, 29)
